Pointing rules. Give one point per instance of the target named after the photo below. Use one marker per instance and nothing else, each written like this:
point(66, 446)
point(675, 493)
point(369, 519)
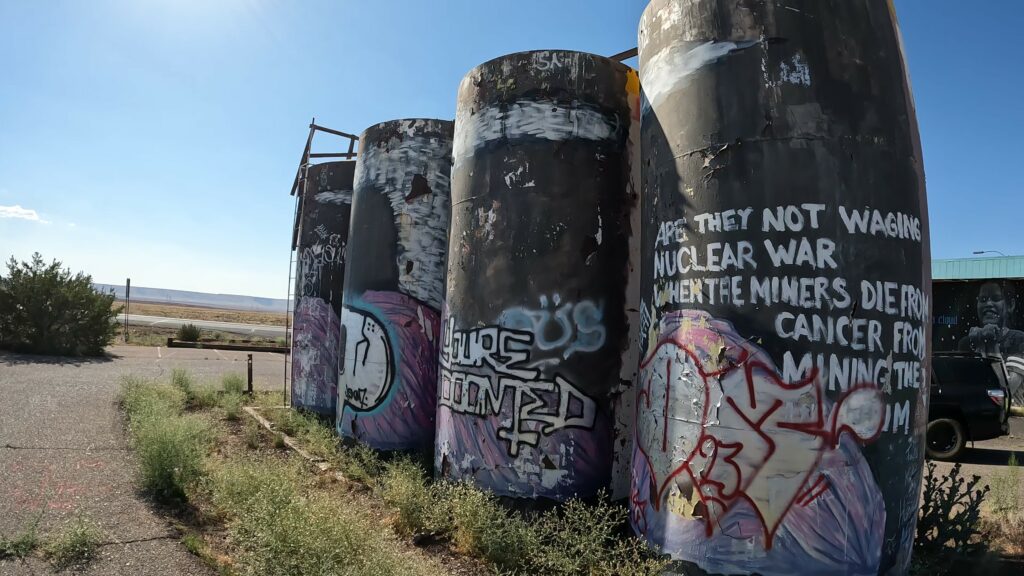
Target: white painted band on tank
point(334, 197)
point(670, 69)
point(422, 224)
point(546, 120)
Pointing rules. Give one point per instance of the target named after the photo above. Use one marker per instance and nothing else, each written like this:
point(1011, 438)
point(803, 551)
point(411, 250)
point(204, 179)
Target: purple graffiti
point(315, 355)
point(388, 375)
point(738, 470)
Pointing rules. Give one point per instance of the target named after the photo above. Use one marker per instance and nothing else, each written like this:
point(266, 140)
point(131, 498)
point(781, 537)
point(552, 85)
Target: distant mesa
point(186, 298)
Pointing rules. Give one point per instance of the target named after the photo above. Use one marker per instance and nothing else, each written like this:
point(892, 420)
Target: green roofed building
point(978, 305)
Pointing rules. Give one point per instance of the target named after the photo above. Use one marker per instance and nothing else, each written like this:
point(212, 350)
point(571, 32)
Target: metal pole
point(250, 374)
point(127, 305)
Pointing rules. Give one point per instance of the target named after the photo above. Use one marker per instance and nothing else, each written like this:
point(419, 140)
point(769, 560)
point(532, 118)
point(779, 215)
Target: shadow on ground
point(15, 359)
point(989, 457)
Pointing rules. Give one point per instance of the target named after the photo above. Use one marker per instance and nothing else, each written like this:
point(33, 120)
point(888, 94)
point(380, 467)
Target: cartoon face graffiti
point(366, 370)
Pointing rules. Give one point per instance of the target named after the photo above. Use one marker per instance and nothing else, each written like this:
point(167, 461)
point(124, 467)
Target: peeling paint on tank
point(395, 286)
point(534, 353)
point(544, 120)
point(671, 69)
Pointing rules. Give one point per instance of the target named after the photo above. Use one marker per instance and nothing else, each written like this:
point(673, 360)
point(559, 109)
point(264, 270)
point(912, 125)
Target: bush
point(24, 543)
point(44, 309)
point(253, 435)
point(233, 383)
point(197, 397)
point(203, 397)
point(182, 380)
point(419, 508)
point(142, 400)
point(950, 514)
point(75, 545)
point(189, 333)
point(170, 446)
point(1005, 489)
point(281, 528)
point(232, 405)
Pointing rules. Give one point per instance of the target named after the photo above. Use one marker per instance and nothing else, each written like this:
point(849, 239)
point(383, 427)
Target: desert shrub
point(1005, 489)
point(253, 435)
point(950, 514)
point(584, 538)
point(203, 397)
point(419, 507)
point(189, 333)
point(170, 452)
point(233, 383)
point(197, 396)
point(359, 463)
point(232, 404)
point(45, 309)
point(75, 545)
point(481, 527)
point(182, 380)
point(170, 446)
point(281, 528)
point(23, 543)
point(144, 400)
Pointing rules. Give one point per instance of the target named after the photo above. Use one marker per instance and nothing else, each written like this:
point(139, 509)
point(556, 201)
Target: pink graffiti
point(715, 419)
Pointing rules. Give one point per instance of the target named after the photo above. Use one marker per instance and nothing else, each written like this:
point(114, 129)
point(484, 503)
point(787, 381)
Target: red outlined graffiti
point(718, 425)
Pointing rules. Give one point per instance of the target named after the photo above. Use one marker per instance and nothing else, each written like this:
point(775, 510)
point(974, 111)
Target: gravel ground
point(63, 452)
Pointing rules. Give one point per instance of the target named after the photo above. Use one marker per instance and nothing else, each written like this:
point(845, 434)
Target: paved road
point(262, 330)
point(63, 452)
point(989, 458)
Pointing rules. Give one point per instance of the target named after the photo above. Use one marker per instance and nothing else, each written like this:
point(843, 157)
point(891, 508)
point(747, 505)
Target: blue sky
point(159, 139)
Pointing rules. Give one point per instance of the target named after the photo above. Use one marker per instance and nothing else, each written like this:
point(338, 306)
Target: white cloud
point(17, 211)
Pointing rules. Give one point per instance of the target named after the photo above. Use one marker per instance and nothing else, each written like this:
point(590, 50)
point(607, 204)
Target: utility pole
point(127, 304)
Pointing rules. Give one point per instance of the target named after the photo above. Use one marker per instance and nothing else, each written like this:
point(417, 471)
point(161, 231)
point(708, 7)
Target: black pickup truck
point(969, 402)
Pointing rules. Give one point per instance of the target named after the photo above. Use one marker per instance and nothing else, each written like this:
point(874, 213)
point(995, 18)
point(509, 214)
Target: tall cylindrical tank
point(394, 285)
point(324, 208)
point(537, 363)
point(785, 288)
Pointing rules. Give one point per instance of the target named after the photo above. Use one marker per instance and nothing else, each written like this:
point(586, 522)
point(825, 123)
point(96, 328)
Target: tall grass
point(283, 523)
point(170, 445)
point(233, 383)
point(282, 529)
point(578, 539)
point(316, 437)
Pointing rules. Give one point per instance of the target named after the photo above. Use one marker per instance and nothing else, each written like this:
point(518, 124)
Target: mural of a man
point(993, 336)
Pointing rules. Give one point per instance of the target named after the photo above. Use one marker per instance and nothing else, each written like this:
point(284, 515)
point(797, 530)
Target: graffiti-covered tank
point(325, 205)
point(537, 360)
point(785, 288)
point(394, 285)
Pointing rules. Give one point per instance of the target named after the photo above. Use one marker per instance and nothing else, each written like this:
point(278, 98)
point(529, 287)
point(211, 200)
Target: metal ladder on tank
point(299, 185)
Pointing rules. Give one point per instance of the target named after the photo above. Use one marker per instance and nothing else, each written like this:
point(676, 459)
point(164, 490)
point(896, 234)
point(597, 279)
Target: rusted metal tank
point(394, 285)
point(537, 359)
point(323, 219)
point(785, 288)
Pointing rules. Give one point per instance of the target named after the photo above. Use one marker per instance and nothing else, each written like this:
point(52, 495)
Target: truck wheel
point(946, 439)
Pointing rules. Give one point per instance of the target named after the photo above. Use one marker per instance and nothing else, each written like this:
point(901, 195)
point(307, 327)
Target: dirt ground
point(201, 313)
